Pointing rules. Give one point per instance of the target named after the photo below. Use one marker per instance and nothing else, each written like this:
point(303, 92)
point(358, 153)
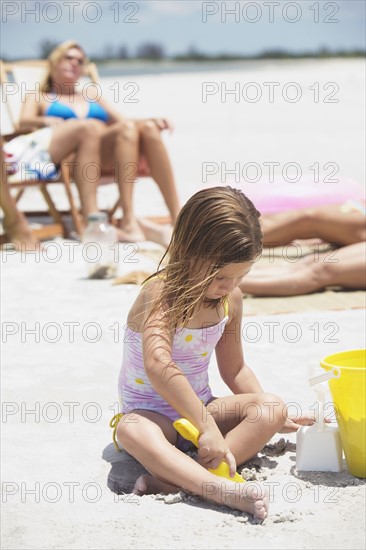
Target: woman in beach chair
point(339, 225)
point(74, 122)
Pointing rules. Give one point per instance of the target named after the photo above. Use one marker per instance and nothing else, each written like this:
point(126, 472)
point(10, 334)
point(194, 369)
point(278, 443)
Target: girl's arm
point(167, 378)
point(229, 352)
point(235, 373)
point(170, 382)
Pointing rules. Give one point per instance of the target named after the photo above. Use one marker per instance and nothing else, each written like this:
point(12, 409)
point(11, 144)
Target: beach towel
point(27, 157)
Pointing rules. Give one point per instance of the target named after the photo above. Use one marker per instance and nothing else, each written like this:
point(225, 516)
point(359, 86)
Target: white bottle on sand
point(99, 247)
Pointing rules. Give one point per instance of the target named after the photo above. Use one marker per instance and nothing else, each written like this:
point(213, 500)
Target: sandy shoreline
point(56, 451)
point(62, 346)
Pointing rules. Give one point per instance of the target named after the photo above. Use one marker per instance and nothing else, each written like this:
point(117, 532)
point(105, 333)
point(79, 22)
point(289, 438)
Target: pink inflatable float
point(282, 195)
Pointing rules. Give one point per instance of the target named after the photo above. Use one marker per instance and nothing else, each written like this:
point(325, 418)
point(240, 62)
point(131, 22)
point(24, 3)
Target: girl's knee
point(274, 409)
point(127, 434)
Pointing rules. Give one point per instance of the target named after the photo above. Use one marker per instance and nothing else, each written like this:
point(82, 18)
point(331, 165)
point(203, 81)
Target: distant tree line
point(155, 52)
point(148, 50)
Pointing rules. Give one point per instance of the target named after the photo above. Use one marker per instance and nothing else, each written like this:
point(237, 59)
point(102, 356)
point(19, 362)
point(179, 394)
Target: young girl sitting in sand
point(184, 312)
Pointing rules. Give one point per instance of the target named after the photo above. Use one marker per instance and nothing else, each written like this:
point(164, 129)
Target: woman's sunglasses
point(79, 60)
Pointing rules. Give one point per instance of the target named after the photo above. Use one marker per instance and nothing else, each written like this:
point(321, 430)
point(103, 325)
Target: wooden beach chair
point(16, 79)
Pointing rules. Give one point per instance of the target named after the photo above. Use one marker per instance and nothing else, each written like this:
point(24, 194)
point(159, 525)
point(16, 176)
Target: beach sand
point(62, 345)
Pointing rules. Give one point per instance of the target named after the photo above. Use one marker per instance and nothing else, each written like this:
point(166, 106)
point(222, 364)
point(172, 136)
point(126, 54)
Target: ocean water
point(138, 68)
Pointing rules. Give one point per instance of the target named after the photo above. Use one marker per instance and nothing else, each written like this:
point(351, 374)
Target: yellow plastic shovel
point(190, 432)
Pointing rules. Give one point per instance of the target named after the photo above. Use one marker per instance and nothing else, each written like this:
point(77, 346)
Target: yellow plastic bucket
point(348, 393)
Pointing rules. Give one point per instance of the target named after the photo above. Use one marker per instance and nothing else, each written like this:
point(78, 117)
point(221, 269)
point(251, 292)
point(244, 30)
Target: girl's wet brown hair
point(216, 227)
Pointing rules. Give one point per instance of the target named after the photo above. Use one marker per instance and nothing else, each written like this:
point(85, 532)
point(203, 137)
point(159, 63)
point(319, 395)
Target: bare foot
point(21, 238)
point(149, 485)
point(247, 497)
point(255, 500)
point(130, 232)
point(156, 232)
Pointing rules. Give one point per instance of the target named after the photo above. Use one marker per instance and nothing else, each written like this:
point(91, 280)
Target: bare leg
point(151, 441)
point(150, 485)
point(120, 145)
point(248, 421)
point(344, 267)
point(160, 167)
point(332, 224)
point(81, 137)
point(156, 232)
point(15, 222)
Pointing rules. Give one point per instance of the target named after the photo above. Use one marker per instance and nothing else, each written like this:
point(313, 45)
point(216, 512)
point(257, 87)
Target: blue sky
point(244, 27)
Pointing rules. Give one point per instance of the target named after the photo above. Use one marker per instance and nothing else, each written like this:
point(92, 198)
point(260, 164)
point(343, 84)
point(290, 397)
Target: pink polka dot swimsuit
point(191, 352)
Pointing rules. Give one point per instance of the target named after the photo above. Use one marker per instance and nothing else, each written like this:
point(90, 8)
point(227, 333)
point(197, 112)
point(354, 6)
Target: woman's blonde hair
point(216, 227)
point(55, 57)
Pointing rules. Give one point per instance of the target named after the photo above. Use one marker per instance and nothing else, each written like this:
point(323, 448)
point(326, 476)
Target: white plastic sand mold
point(318, 447)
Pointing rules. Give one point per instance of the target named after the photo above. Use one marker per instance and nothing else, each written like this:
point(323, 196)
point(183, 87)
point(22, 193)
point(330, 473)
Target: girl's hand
point(212, 450)
point(293, 423)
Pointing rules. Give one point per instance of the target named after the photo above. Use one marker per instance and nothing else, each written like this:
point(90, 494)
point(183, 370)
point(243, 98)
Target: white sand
point(67, 370)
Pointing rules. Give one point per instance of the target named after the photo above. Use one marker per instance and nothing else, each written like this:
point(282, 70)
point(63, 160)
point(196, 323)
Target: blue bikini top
point(64, 111)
